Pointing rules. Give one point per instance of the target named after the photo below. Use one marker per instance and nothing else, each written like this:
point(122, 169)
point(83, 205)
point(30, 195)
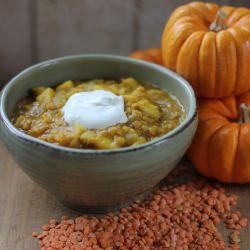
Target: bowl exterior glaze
point(90, 180)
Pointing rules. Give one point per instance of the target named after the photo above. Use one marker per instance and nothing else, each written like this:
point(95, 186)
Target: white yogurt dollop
point(95, 109)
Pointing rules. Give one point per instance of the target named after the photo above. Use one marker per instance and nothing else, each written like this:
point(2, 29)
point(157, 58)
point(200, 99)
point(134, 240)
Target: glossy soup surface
point(151, 113)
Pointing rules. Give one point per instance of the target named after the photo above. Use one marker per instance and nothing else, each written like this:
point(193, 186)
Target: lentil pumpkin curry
point(150, 113)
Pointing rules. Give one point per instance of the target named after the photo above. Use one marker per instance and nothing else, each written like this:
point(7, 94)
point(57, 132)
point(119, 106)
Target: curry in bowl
point(149, 113)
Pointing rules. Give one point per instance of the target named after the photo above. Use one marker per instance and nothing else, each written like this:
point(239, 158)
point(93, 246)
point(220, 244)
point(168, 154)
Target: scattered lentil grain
point(176, 216)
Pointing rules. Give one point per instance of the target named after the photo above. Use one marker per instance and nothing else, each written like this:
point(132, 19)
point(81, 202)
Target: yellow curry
point(151, 113)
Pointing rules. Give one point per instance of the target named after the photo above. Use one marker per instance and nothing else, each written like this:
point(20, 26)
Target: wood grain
point(25, 207)
point(70, 27)
point(32, 31)
point(15, 40)
point(240, 3)
point(151, 17)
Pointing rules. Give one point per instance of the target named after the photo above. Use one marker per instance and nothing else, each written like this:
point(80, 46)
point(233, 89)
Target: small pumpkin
point(209, 45)
point(151, 55)
point(221, 146)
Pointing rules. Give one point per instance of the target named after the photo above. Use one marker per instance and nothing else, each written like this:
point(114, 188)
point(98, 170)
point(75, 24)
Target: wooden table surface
point(25, 207)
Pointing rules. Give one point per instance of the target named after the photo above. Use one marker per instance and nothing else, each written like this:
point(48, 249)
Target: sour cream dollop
point(95, 109)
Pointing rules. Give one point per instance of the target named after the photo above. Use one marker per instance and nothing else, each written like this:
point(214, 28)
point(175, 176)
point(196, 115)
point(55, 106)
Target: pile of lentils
point(176, 216)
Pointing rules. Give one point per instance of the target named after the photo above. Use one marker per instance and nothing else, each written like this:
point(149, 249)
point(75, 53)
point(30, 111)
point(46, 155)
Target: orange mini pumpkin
point(221, 146)
point(209, 45)
point(151, 55)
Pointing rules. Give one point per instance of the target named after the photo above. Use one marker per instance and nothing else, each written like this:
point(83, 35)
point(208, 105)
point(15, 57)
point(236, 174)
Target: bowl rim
point(155, 142)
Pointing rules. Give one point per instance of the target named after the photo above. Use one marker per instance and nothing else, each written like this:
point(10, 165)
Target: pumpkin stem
point(218, 23)
point(244, 113)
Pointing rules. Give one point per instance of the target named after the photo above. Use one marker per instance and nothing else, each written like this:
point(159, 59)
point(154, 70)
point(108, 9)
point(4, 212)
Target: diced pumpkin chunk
point(129, 84)
point(130, 98)
point(103, 86)
point(38, 90)
point(148, 108)
point(88, 137)
point(65, 85)
point(79, 128)
point(46, 96)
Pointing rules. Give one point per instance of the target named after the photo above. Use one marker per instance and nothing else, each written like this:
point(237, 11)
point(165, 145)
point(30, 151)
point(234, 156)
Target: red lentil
point(180, 216)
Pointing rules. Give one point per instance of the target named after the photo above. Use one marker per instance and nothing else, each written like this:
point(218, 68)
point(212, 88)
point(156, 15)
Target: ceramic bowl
point(96, 181)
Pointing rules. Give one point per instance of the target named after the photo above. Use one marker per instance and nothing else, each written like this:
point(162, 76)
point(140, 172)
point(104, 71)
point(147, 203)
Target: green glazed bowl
point(96, 181)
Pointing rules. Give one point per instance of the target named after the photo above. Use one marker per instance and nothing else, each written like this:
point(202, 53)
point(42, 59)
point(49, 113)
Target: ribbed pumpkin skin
point(215, 63)
point(153, 55)
point(221, 146)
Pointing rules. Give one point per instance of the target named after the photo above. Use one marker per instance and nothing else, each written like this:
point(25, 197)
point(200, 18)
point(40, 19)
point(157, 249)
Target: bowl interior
point(54, 71)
